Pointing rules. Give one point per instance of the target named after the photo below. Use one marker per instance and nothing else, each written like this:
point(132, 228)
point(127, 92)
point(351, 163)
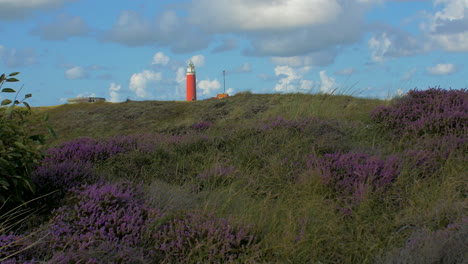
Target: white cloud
point(328, 84)
point(63, 27)
point(224, 15)
point(207, 86)
point(395, 43)
point(442, 69)
point(198, 60)
point(140, 82)
point(134, 29)
point(291, 80)
point(307, 85)
point(76, 73)
point(17, 9)
point(230, 91)
point(160, 58)
point(400, 93)
point(448, 28)
point(85, 94)
point(114, 93)
point(379, 46)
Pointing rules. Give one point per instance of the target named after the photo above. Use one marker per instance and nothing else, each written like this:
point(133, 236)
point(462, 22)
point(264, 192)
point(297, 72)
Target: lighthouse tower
point(191, 83)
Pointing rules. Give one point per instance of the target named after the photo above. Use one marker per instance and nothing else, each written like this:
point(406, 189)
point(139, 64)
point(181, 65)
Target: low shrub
point(111, 216)
point(353, 176)
point(434, 112)
point(199, 238)
point(429, 154)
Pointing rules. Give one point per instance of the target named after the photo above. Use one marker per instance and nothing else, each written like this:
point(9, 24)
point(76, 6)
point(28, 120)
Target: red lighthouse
point(191, 83)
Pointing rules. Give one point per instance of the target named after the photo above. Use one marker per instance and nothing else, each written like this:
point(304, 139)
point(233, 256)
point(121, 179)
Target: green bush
point(19, 152)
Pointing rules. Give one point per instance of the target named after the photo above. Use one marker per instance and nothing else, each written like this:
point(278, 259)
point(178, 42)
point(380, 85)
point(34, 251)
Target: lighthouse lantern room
point(191, 83)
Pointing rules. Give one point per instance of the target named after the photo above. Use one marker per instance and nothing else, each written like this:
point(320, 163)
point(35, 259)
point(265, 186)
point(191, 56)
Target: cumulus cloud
point(448, 28)
point(114, 93)
point(140, 82)
point(167, 29)
point(18, 9)
point(327, 84)
point(291, 80)
point(86, 94)
point(394, 43)
point(198, 60)
point(442, 69)
point(76, 73)
point(207, 86)
point(160, 58)
point(282, 28)
point(225, 15)
point(13, 57)
point(63, 27)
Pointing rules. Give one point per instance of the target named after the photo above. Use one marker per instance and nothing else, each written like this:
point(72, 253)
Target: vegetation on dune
point(252, 179)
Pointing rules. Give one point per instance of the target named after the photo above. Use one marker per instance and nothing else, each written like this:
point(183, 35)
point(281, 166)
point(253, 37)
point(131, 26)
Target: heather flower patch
point(198, 238)
point(10, 244)
point(99, 213)
point(200, 126)
point(63, 176)
point(429, 155)
point(434, 111)
point(353, 176)
point(303, 208)
point(106, 252)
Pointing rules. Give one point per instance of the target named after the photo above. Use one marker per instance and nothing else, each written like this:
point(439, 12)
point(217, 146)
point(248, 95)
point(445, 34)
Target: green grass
point(287, 204)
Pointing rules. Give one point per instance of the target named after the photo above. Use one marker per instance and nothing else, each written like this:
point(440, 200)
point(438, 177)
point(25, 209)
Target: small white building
point(86, 100)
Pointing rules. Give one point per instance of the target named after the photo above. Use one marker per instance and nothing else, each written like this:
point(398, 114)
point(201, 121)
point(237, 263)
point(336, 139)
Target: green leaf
point(14, 74)
point(52, 132)
point(12, 80)
point(27, 96)
point(27, 106)
point(17, 102)
point(46, 117)
point(2, 78)
point(6, 101)
point(8, 90)
point(28, 184)
point(20, 145)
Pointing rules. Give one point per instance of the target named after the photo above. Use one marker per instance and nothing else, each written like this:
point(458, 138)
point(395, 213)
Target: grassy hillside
point(252, 179)
point(134, 117)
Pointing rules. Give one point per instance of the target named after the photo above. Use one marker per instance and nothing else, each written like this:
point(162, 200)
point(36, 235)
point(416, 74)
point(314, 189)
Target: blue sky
point(139, 49)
